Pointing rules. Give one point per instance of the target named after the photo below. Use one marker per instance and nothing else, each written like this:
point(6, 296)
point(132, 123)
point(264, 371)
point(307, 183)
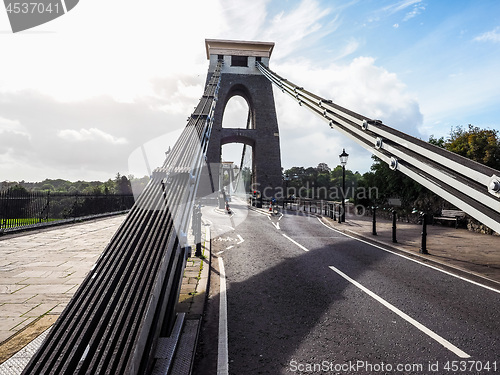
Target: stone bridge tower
point(240, 77)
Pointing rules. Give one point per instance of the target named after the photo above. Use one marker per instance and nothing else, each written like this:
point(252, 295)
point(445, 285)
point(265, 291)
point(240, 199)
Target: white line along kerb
point(223, 355)
point(411, 259)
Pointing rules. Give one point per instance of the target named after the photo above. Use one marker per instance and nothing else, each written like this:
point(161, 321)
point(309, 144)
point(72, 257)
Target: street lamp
point(343, 161)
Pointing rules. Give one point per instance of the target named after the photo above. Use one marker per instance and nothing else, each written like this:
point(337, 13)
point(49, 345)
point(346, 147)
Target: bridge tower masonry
point(240, 77)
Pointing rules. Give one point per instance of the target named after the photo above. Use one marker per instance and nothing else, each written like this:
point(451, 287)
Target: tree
point(481, 145)
point(387, 183)
point(323, 168)
point(123, 185)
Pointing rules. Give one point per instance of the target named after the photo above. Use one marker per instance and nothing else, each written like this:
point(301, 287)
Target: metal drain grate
point(184, 355)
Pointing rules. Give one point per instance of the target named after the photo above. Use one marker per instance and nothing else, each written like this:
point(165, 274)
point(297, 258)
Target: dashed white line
point(223, 356)
point(406, 317)
point(295, 242)
point(393, 308)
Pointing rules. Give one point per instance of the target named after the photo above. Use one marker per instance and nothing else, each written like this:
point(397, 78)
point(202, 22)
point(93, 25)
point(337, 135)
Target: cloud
point(414, 12)
point(98, 92)
point(360, 86)
point(293, 29)
point(489, 36)
point(417, 8)
point(92, 134)
point(401, 5)
point(78, 140)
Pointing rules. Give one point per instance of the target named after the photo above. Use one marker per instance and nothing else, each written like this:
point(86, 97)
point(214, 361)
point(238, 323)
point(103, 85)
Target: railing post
point(197, 228)
point(423, 248)
point(374, 221)
point(394, 226)
point(47, 216)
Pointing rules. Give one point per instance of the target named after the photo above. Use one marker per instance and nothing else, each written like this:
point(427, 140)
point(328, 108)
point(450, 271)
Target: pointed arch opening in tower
point(237, 114)
point(237, 168)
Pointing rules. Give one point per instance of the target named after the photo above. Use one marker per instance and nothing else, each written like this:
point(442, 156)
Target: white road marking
point(409, 319)
point(229, 247)
point(413, 260)
point(241, 239)
point(223, 356)
point(406, 317)
point(220, 252)
point(276, 225)
point(295, 242)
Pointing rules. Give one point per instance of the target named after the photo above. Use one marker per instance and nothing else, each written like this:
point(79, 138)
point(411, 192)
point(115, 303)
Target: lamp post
point(343, 161)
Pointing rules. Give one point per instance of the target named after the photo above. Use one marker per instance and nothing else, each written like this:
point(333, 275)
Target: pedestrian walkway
point(40, 271)
point(474, 253)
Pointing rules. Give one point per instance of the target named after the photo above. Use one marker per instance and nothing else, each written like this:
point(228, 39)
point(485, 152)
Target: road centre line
point(409, 258)
point(222, 352)
point(403, 315)
point(295, 242)
point(391, 307)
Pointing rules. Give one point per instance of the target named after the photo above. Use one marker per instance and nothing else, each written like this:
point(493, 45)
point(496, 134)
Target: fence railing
point(19, 208)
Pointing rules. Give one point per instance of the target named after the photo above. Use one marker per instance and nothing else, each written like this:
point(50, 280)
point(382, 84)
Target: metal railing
point(473, 187)
point(22, 209)
point(127, 301)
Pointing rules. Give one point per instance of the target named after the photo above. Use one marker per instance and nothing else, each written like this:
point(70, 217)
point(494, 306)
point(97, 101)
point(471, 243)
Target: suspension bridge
point(113, 323)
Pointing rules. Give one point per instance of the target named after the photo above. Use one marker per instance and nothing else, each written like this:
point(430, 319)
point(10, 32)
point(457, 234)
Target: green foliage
point(321, 182)
point(481, 145)
point(120, 185)
point(381, 183)
point(394, 184)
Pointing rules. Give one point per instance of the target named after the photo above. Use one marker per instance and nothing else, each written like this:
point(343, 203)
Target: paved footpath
point(40, 271)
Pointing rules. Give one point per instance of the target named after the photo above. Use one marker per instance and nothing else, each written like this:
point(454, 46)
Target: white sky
point(79, 95)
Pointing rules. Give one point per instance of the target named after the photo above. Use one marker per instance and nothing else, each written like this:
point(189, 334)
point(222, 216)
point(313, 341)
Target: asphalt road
point(303, 298)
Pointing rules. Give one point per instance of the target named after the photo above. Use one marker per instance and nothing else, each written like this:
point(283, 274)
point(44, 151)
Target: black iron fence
point(20, 208)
